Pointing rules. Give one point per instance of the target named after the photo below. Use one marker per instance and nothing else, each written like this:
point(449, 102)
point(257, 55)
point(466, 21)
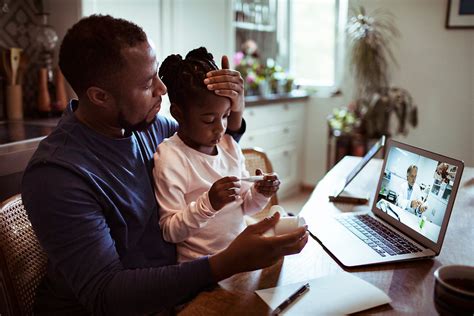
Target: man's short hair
point(90, 52)
point(411, 167)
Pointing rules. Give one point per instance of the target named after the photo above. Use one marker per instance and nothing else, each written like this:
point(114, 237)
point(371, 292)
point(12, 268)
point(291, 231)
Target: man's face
point(442, 168)
point(411, 176)
point(138, 91)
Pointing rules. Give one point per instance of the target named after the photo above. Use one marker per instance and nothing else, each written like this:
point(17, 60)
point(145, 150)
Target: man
point(409, 194)
point(88, 188)
point(443, 173)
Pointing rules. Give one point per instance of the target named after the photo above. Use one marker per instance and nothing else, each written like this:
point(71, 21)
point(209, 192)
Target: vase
point(47, 38)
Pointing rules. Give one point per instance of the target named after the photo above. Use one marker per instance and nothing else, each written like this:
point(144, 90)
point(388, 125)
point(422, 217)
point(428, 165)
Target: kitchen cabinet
point(257, 21)
point(278, 128)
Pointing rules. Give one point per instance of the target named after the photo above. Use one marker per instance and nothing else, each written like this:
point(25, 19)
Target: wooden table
point(409, 284)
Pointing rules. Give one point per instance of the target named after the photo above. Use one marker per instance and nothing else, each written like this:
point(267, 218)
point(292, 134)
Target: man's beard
point(129, 128)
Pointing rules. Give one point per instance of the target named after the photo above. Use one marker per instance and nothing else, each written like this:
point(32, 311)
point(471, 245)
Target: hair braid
point(184, 79)
point(169, 73)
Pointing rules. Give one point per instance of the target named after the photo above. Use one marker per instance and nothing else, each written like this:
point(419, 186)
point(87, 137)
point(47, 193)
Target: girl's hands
point(224, 191)
point(269, 185)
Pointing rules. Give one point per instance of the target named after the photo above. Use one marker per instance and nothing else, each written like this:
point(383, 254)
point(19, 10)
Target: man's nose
point(160, 88)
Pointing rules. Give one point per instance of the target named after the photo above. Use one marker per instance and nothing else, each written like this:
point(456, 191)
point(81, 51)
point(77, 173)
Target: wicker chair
point(22, 261)
point(257, 158)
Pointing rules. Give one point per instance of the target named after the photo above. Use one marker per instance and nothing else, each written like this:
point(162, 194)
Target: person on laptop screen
point(410, 197)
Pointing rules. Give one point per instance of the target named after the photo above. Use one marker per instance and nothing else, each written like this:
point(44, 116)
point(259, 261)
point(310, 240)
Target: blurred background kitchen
point(324, 78)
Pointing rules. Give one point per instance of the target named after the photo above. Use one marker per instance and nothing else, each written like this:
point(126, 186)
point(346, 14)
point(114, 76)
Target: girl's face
point(204, 122)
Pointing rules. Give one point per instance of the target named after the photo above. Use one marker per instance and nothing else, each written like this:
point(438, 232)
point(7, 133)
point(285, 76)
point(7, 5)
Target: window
point(316, 41)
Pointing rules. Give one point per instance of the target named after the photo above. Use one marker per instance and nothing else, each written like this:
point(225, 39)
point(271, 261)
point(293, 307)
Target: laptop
point(339, 194)
point(406, 222)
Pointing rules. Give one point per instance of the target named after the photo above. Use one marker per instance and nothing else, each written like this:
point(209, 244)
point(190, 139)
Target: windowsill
point(322, 92)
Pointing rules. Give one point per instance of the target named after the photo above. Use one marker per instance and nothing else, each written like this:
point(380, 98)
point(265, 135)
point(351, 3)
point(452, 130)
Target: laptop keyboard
point(381, 239)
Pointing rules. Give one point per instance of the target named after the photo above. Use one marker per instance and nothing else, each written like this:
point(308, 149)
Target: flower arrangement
point(343, 120)
point(261, 79)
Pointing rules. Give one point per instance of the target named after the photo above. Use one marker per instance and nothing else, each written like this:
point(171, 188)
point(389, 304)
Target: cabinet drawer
point(271, 137)
point(276, 114)
point(285, 164)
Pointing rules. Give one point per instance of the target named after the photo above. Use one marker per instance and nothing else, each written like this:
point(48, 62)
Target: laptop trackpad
point(343, 244)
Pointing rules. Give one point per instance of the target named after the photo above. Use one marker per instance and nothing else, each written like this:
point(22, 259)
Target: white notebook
point(336, 294)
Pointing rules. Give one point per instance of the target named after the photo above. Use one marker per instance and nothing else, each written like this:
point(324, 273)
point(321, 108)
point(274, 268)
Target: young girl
point(197, 180)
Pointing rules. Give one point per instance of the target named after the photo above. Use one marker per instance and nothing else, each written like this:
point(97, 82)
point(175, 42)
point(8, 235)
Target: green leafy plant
point(370, 51)
point(370, 56)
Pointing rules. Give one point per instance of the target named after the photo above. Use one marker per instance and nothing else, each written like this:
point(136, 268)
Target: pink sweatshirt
point(183, 177)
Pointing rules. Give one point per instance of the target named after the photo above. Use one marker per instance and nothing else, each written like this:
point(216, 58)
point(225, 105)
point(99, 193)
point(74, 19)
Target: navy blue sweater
point(91, 203)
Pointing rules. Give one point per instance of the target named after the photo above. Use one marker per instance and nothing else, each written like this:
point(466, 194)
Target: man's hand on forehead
point(228, 83)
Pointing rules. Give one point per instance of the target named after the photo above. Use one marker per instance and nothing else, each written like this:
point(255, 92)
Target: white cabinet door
point(191, 24)
point(278, 130)
point(285, 163)
point(273, 114)
point(271, 137)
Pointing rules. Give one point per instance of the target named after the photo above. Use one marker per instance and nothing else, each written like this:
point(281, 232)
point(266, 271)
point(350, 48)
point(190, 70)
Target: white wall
point(202, 23)
point(436, 66)
point(145, 13)
point(472, 104)
point(175, 26)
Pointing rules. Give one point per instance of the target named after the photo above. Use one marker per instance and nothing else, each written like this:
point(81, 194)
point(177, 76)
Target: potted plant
point(377, 103)
point(261, 78)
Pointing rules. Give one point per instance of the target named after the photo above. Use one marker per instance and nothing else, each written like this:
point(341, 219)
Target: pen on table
point(293, 297)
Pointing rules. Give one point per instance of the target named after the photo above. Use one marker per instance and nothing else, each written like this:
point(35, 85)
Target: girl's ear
point(176, 112)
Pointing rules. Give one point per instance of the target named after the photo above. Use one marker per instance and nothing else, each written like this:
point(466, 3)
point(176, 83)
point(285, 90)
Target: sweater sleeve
point(72, 229)
point(238, 134)
point(178, 220)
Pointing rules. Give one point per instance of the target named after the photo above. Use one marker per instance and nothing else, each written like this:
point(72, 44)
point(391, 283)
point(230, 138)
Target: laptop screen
point(370, 154)
point(416, 190)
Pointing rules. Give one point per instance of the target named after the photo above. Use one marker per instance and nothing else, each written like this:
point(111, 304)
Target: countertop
point(294, 96)
point(14, 131)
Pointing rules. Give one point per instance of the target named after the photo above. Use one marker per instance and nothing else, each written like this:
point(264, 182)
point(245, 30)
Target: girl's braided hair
point(184, 78)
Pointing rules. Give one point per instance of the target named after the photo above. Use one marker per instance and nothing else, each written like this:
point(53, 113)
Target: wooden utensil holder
point(61, 97)
point(14, 96)
point(44, 99)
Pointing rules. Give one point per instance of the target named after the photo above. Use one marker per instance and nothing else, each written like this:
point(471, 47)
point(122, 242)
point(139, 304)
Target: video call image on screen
point(415, 190)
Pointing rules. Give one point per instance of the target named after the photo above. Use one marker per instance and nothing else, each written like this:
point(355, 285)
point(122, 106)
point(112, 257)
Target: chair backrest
point(257, 158)
point(22, 261)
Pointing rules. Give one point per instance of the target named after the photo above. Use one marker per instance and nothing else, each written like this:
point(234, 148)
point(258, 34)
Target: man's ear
point(98, 96)
point(176, 112)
